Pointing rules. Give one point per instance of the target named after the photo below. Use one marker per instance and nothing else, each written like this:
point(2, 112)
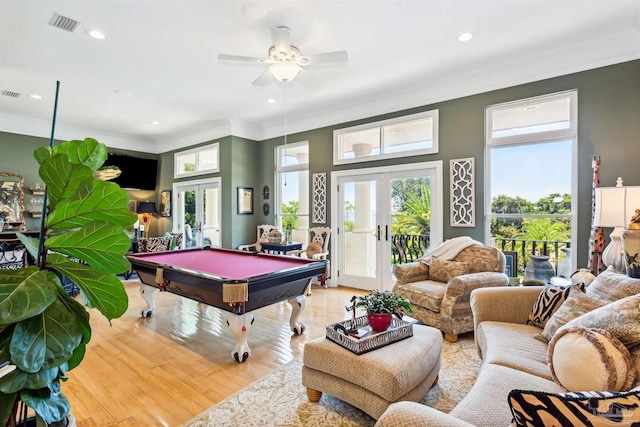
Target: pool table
point(212, 276)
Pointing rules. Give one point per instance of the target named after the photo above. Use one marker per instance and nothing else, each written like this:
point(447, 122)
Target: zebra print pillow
point(582, 409)
point(549, 300)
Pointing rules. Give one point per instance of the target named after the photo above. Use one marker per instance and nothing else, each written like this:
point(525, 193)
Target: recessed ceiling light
point(35, 96)
point(96, 34)
point(465, 37)
point(271, 101)
point(155, 123)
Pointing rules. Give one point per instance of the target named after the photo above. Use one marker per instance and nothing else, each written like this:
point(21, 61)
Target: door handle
point(386, 233)
point(378, 233)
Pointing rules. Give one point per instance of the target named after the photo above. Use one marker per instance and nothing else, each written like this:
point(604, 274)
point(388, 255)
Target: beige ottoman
point(404, 370)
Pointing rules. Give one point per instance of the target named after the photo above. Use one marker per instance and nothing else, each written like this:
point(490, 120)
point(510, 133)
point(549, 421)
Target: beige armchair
point(440, 292)
point(262, 236)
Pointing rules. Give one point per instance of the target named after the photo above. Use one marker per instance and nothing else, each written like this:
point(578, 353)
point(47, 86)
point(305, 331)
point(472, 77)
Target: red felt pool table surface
point(227, 263)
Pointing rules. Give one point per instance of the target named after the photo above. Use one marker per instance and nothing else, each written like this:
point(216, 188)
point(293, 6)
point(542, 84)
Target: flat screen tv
point(137, 173)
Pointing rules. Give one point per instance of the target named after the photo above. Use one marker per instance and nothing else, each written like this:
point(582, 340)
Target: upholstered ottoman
point(404, 370)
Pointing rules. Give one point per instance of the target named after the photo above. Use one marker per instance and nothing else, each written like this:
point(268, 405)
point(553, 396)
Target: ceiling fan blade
point(324, 58)
point(281, 39)
point(225, 57)
point(264, 78)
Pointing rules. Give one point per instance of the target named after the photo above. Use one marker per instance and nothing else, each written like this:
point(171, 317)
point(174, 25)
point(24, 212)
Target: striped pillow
point(582, 409)
point(549, 300)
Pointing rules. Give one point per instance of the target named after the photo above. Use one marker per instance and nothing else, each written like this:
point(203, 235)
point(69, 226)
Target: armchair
point(440, 292)
point(262, 236)
point(317, 249)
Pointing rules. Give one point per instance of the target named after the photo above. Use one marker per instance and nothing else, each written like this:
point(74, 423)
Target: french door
point(196, 207)
point(368, 202)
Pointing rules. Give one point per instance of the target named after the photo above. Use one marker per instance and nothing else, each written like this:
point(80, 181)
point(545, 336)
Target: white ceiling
point(159, 61)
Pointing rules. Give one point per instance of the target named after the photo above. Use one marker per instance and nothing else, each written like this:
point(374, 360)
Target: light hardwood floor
point(165, 369)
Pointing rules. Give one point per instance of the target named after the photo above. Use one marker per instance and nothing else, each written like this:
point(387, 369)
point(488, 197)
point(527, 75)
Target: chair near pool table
point(317, 250)
point(262, 236)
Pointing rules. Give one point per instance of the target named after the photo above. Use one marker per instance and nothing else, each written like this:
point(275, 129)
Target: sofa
point(440, 290)
point(520, 364)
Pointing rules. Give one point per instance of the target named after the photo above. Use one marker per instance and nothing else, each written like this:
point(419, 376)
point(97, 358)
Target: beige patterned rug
point(279, 399)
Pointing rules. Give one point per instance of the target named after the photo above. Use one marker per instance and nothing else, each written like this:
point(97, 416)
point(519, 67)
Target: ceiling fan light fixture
point(284, 71)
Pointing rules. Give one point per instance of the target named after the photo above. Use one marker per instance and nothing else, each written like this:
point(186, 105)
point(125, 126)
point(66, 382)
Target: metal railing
point(524, 248)
point(408, 247)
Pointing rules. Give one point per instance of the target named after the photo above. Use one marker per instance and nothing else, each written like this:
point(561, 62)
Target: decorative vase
point(539, 268)
point(379, 322)
point(631, 248)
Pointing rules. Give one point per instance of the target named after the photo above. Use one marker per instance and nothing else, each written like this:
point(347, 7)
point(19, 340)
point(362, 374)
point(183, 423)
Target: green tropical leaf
point(46, 340)
point(95, 201)
point(6, 404)
point(30, 243)
point(49, 402)
point(62, 177)
point(41, 154)
point(24, 293)
point(88, 152)
point(83, 317)
point(77, 356)
point(103, 291)
point(5, 341)
point(101, 245)
point(18, 379)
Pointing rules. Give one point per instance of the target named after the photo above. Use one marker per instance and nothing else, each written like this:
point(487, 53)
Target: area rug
point(279, 399)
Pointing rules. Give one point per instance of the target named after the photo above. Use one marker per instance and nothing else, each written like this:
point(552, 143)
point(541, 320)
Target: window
point(531, 177)
point(292, 199)
point(197, 161)
point(400, 137)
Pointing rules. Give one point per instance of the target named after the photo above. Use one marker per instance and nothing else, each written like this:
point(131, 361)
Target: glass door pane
point(211, 217)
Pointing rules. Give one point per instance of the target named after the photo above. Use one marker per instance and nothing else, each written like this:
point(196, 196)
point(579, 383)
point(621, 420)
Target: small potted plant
point(381, 306)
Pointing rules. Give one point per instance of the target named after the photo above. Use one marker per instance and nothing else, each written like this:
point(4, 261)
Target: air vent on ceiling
point(63, 22)
point(10, 93)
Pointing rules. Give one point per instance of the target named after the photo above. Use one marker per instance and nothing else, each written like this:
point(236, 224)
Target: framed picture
point(133, 205)
point(511, 267)
point(165, 203)
point(245, 201)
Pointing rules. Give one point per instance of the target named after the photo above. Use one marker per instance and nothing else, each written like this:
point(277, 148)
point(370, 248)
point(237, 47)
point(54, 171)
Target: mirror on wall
point(11, 201)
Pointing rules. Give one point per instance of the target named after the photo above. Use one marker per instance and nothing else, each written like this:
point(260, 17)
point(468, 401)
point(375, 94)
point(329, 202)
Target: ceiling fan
point(286, 61)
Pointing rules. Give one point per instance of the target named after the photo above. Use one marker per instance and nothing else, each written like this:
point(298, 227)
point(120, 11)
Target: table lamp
point(147, 209)
point(615, 206)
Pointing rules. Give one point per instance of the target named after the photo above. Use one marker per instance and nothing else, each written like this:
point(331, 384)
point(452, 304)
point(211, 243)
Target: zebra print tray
point(337, 332)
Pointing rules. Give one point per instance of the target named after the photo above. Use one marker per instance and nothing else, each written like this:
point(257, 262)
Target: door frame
point(437, 197)
point(177, 209)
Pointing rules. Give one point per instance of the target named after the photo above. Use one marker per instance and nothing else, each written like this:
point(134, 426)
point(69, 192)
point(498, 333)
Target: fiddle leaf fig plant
point(43, 330)
point(379, 302)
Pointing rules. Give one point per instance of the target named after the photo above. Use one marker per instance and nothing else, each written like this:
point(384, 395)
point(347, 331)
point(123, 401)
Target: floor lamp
point(146, 209)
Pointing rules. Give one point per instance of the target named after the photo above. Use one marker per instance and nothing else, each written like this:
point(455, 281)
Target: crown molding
point(42, 128)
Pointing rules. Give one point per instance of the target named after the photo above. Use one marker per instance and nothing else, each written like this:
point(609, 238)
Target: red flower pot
point(379, 322)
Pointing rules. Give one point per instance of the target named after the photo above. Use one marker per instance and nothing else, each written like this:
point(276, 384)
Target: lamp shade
point(146, 207)
point(615, 205)
point(284, 71)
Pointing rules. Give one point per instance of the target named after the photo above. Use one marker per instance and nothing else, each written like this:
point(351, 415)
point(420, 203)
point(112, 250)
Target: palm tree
point(416, 217)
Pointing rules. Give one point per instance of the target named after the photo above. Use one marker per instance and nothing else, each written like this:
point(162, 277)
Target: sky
point(532, 171)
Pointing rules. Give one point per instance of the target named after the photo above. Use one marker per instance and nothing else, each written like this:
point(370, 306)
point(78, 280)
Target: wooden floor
point(165, 369)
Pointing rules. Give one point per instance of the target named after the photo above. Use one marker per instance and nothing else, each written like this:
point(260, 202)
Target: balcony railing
point(408, 247)
point(525, 248)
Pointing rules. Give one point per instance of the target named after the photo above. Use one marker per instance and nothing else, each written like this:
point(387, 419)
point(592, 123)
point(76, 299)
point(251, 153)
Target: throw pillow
point(443, 271)
point(583, 409)
point(548, 302)
point(621, 318)
point(610, 286)
point(635, 357)
point(590, 359)
point(576, 304)
point(313, 248)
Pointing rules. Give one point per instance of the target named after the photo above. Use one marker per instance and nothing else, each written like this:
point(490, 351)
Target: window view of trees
point(290, 215)
point(411, 202)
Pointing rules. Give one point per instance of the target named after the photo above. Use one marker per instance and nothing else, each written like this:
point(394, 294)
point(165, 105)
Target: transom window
point(399, 137)
point(197, 161)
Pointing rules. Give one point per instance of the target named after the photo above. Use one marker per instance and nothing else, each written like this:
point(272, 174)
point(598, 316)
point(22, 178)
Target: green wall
point(608, 126)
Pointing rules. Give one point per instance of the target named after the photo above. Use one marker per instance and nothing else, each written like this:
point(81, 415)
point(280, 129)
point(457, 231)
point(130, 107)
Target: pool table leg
point(147, 294)
point(240, 326)
point(297, 305)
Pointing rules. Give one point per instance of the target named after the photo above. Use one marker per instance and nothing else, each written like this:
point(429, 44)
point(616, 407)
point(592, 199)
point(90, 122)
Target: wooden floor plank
point(166, 369)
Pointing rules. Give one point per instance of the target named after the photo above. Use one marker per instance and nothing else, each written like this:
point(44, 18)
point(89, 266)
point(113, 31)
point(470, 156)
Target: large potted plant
point(43, 330)
point(381, 306)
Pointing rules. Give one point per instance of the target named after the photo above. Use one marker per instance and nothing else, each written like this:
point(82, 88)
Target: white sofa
point(513, 355)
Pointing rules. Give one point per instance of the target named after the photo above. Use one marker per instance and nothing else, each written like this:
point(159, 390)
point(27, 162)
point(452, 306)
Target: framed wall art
point(165, 203)
point(245, 201)
point(462, 188)
point(319, 198)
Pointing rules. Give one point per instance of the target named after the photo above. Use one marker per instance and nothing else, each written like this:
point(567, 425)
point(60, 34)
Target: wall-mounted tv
point(137, 173)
